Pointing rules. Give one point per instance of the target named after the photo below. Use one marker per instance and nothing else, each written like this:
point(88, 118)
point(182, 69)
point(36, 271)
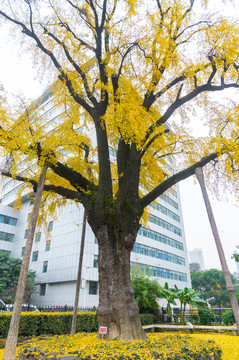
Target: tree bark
point(78, 280)
point(117, 310)
point(11, 343)
point(229, 285)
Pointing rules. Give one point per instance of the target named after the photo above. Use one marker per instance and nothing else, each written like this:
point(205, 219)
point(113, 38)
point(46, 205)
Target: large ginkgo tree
point(128, 75)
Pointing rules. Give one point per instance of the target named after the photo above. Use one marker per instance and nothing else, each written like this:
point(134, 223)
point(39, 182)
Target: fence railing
point(191, 315)
point(60, 308)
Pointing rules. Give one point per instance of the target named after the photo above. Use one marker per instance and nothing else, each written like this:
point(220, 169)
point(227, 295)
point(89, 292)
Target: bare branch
point(63, 75)
point(81, 12)
point(69, 194)
point(179, 102)
point(74, 64)
point(160, 8)
point(174, 179)
point(214, 69)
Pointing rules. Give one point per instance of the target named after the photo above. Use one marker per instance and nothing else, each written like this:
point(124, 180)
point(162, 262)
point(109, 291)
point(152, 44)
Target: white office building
point(160, 247)
point(196, 256)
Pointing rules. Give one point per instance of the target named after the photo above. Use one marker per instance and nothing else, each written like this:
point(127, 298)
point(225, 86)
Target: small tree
point(206, 316)
point(9, 273)
point(146, 292)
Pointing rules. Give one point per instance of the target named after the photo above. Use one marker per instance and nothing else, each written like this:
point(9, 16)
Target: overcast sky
point(197, 227)
point(17, 75)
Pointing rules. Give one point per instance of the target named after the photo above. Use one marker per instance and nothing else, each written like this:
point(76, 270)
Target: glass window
point(95, 262)
point(45, 266)
point(22, 253)
point(151, 234)
point(48, 245)
point(34, 255)
point(160, 272)
point(50, 226)
point(6, 236)
point(26, 233)
point(4, 219)
point(155, 220)
point(93, 287)
point(42, 289)
point(38, 237)
point(5, 252)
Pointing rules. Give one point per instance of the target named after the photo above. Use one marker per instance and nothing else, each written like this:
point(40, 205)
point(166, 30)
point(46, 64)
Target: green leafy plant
point(169, 295)
point(228, 317)
point(9, 273)
point(147, 319)
point(206, 316)
point(187, 296)
point(146, 293)
point(211, 284)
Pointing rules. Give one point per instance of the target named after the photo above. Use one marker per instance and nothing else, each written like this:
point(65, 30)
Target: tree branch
point(179, 102)
point(74, 64)
point(174, 179)
point(68, 29)
point(60, 190)
point(81, 12)
point(63, 75)
point(75, 179)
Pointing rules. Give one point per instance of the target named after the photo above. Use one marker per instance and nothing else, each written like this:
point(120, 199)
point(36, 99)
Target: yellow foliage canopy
point(129, 78)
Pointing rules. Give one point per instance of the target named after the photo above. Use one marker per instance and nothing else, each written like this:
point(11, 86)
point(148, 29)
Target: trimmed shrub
point(206, 316)
point(147, 319)
point(49, 323)
point(87, 347)
point(228, 317)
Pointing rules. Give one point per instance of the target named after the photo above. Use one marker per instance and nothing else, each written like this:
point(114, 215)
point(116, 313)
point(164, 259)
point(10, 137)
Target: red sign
point(103, 330)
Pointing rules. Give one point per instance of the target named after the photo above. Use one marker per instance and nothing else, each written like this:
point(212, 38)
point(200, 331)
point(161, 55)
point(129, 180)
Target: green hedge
point(147, 319)
point(49, 323)
point(56, 323)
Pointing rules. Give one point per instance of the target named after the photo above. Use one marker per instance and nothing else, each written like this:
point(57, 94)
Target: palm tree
point(229, 285)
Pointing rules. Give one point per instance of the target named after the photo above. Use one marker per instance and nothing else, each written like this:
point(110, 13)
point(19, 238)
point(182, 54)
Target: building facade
point(160, 248)
point(196, 256)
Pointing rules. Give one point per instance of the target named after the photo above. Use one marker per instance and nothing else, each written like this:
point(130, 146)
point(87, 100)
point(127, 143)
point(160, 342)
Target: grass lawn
point(228, 343)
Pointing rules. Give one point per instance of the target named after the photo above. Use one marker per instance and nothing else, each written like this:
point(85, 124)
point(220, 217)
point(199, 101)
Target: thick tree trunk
point(117, 310)
point(229, 285)
point(11, 343)
point(78, 280)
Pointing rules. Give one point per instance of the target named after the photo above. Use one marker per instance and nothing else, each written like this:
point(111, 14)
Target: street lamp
point(208, 303)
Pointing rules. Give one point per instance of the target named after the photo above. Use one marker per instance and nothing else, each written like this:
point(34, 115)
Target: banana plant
point(187, 296)
point(168, 295)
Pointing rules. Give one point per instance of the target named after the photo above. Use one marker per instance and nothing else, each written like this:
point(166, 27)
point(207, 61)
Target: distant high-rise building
point(196, 256)
point(194, 267)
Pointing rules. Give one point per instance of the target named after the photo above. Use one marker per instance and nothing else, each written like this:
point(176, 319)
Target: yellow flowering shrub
point(87, 347)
